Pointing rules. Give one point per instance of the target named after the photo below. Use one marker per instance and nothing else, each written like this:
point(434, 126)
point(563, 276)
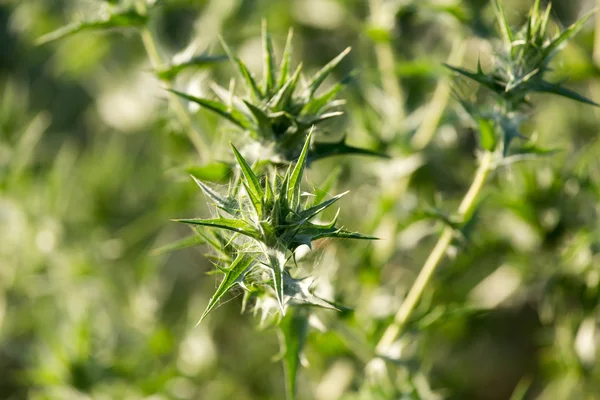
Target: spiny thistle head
point(525, 57)
point(279, 111)
point(263, 220)
point(518, 71)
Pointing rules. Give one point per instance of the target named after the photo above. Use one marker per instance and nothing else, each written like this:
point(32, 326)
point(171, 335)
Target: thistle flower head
point(524, 59)
point(263, 219)
point(278, 112)
point(520, 68)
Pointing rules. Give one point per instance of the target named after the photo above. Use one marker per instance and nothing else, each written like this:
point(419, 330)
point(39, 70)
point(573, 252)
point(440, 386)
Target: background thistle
point(278, 112)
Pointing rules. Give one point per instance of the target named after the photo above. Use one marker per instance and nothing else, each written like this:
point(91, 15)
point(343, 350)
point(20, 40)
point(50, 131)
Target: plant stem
point(384, 54)
point(435, 257)
point(439, 101)
point(177, 104)
point(596, 54)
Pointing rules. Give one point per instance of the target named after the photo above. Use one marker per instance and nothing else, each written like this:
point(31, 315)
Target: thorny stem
point(176, 103)
point(435, 257)
point(385, 60)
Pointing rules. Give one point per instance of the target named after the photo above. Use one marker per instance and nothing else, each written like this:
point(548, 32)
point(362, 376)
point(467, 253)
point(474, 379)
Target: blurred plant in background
point(97, 141)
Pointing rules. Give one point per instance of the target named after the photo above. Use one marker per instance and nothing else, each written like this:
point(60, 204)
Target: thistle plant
point(261, 222)
point(277, 113)
point(267, 221)
point(519, 70)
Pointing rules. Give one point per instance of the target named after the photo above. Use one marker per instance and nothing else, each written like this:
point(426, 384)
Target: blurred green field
point(94, 164)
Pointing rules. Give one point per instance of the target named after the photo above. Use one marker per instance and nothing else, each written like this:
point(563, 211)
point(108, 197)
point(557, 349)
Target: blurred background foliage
point(94, 163)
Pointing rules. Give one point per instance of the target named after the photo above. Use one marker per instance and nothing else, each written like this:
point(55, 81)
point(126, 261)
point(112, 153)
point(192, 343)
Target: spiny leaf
point(565, 35)
point(316, 104)
point(255, 92)
point(321, 118)
point(504, 26)
point(319, 232)
point(324, 150)
point(544, 21)
point(293, 328)
point(293, 188)
point(320, 76)
point(483, 79)
point(228, 204)
point(282, 97)
point(269, 60)
point(276, 264)
point(314, 210)
point(255, 191)
point(234, 225)
point(234, 275)
point(227, 96)
point(232, 115)
point(297, 292)
point(535, 10)
point(284, 68)
point(170, 72)
point(119, 19)
point(547, 87)
point(262, 120)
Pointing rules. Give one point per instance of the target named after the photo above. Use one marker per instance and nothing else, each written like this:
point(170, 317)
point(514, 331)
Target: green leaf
point(483, 79)
point(120, 19)
point(504, 26)
point(565, 35)
point(322, 231)
point(234, 225)
point(297, 292)
point(187, 242)
point(232, 115)
point(547, 87)
point(324, 150)
point(234, 275)
point(487, 134)
point(255, 92)
point(276, 264)
point(295, 179)
point(283, 96)
point(314, 210)
point(269, 60)
point(544, 21)
point(263, 121)
point(284, 68)
point(321, 118)
point(170, 72)
point(316, 104)
point(227, 204)
point(320, 76)
point(253, 187)
point(293, 328)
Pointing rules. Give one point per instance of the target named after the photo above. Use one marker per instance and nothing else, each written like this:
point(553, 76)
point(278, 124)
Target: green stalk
point(177, 104)
point(439, 101)
point(435, 257)
point(596, 54)
point(387, 64)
